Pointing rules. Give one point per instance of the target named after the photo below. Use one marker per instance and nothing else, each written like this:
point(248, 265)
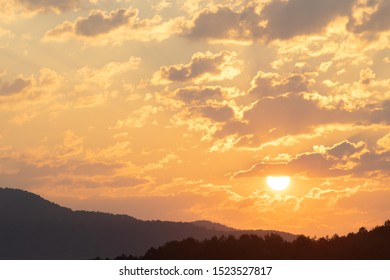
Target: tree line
point(371, 244)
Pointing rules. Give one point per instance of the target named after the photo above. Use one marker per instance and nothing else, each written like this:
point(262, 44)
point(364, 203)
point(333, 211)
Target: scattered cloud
point(371, 17)
point(275, 20)
point(196, 95)
point(384, 142)
point(99, 22)
point(342, 159)
point(202, 68)
point(162, 5)
point(14, 87)
point(287, 19)
point(109, 70)
point(224, 24)
point(139, 118)
point(272, 84)
point(96, 23)
point(115, 27)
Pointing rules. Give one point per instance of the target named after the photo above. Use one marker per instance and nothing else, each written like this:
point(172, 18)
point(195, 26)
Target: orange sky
point(179, 110)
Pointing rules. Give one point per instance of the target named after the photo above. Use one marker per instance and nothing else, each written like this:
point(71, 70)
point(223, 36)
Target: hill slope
point(34, 228)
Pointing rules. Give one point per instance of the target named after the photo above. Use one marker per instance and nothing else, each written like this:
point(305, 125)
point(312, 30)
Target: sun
point(278, 183)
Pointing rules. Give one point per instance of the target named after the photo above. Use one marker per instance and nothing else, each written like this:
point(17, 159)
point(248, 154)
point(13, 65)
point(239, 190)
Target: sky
point(179, 110)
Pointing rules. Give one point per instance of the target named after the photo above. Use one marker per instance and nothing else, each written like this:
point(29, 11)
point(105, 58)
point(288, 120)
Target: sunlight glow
point(278, 183)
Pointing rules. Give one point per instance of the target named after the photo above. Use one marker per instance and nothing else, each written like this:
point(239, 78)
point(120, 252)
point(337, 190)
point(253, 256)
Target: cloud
point(346, 149)
point(368, 93)
point(195, 95)
point(139, 118)
point(287, 19)
point(273, 117)
point(224, 23)
point(16, 86)
point(276, 20)
point(280, 118)
point(201, 108)
point(202, 67)
point(96, 23)
point(342, 159)
point(68, 164)
point(210, 102)
point(75, 175)
point(366, 76)
point(272, 84)
point(381, 114)
point(115, 27)
point(99, 22)
point(218, 114)
point(161, 5)
point(109, 70)
point(290, 104)
point(384, 142)
point(375, 18)
point(30, 97)
point(116, 151)
point(55, 5)
point(94, 86)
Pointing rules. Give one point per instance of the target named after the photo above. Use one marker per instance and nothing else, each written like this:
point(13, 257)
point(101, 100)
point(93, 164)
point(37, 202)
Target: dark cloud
point(309, 164)
point(376, 22)
point(98, 22)
point(14, 87)
point(381, 114)
point(287, 19)
point(290, 113)
point(345, 149)
point(219, 114)
point(271, 84)
point(201, 65)
point(283, 106)
point(345, 158)
point(196, 94)
point(374, 163)
point(273, 117)
point(206, 102)
point(227, 24)
point(284, 20)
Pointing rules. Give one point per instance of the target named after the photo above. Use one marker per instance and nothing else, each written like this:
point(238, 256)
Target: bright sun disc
point(278, 183)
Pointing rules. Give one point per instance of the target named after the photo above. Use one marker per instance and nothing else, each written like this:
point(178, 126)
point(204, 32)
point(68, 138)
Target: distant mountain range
point(34, 228)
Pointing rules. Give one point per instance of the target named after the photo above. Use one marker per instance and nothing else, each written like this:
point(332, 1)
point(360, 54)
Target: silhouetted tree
point(365, 244)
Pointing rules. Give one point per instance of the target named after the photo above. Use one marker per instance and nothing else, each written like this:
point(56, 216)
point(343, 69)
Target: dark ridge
point(34, 228)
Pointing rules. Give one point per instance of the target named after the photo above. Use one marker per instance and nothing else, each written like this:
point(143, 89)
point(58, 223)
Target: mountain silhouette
point(34, 228)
